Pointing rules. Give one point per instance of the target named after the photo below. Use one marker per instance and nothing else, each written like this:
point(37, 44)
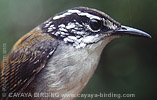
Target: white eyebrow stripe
point(74, 11)
point(89, 16)
point(69, 12)
point(61, 16)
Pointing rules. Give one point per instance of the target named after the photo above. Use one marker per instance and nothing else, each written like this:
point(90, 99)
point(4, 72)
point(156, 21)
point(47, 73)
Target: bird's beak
point(128, 31)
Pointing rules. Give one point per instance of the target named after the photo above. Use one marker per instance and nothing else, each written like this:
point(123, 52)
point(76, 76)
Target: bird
point(60, 55)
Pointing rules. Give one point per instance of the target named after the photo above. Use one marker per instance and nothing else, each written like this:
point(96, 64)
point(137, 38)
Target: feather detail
point(27, 58)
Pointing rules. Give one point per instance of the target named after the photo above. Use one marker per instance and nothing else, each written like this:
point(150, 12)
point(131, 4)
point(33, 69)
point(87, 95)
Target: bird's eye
point(95, 24)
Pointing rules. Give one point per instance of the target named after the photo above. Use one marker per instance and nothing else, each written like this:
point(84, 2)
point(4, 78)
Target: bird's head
point(83, 26)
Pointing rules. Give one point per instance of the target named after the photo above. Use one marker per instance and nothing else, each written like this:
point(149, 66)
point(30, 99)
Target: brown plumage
point(25, 60)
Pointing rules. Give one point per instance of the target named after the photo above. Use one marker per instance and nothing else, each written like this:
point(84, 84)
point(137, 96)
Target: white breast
point(69, 69)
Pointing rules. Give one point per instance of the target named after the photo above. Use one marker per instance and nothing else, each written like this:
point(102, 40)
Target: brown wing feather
point(28, 56)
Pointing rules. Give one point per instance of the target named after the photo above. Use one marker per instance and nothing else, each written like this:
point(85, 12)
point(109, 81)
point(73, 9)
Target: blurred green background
point(127, 65)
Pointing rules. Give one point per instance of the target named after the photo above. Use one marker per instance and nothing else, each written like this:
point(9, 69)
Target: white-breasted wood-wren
point(60, 55)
